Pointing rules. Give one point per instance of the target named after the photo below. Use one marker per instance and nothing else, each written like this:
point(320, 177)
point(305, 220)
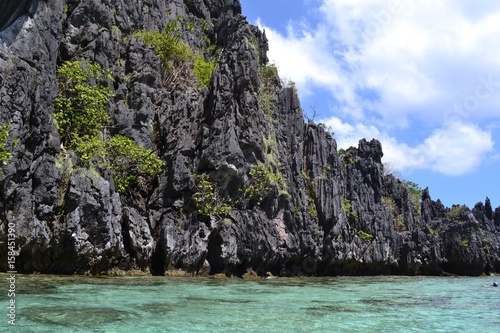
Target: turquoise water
point(340, 304)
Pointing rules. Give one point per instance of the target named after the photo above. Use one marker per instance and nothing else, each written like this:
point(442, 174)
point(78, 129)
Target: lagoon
point(47, 303)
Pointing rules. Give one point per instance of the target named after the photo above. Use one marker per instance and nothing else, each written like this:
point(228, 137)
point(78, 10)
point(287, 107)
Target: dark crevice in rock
point(158, 260)
point(127, 241)
point(214, 254)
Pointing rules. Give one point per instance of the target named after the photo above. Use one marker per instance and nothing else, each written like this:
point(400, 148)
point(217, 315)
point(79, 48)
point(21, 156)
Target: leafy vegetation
point(346, 158)
point(390, 204)
point(207, 199)
point(269, 80)
point(177, 58)
point(169, 47)
point(325, 171)
point(262, 181)
point(203, 70)
point(431, 230)
point(367, 237)
point(81, 116)
point(272, 164)
point(312, 209)
point(80, 107)
point(486, 244)
point(414, 194)
point(129, 162)
point(287, 82)
point(268, 75)
point(5, 154)
point(65, 165)
point(399, 222)
point(457, 213)
point(347, 207)
point(413, 189)
point(91, 151)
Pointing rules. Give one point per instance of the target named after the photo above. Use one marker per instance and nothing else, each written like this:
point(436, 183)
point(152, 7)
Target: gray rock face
point(10, 10)
point(327, 212)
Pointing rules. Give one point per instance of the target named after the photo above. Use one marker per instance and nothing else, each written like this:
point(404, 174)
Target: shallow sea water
point(338, 304)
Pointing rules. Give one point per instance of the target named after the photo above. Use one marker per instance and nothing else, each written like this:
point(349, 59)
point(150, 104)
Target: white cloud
point(388, 63)
point(415, 55)
point(455, 149)
point(305, 59)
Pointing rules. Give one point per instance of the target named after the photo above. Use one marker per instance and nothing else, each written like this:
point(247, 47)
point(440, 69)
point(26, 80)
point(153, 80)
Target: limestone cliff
point(324, 212)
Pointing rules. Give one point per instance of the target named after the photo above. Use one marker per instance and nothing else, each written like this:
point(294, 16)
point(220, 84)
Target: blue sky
point(423, 77)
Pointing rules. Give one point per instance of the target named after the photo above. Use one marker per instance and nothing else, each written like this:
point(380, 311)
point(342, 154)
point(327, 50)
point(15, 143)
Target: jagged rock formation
point(333, 212)
point(10, 10)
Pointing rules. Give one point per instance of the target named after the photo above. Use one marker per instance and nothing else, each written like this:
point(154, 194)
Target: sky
point(422, 77)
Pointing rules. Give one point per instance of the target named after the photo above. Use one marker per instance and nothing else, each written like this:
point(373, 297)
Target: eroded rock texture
point(334, 212)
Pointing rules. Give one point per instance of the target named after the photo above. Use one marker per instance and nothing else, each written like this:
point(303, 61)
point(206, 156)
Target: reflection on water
point(342, 304)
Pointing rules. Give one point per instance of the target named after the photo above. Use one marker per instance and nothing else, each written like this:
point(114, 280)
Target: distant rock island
point(155, 136)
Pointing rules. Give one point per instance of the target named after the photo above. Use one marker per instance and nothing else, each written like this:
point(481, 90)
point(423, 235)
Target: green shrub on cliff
point(169, 47)
point(92, 150)
point(347, 207)
point(414, 194)
point(5, 155)
point(130, 161)
point(80, 107)
point(207, 200)
point(203, 70)
point(269, 80)
point(262, 180)
point(457, 213)
point(81, 116)
point(367, 237)
point(177, 58)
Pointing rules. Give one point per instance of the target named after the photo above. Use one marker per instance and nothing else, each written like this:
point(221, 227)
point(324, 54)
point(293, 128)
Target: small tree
point(130, 161)
point(414, 194)
point(207, 199)
point(262, 181)
point(80, 107)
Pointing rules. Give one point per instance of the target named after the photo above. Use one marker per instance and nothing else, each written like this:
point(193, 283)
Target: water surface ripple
point(340, 304)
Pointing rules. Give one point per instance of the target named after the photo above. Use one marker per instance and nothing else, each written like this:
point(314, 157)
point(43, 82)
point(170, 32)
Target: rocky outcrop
point(10, 10)
point(326, 212)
